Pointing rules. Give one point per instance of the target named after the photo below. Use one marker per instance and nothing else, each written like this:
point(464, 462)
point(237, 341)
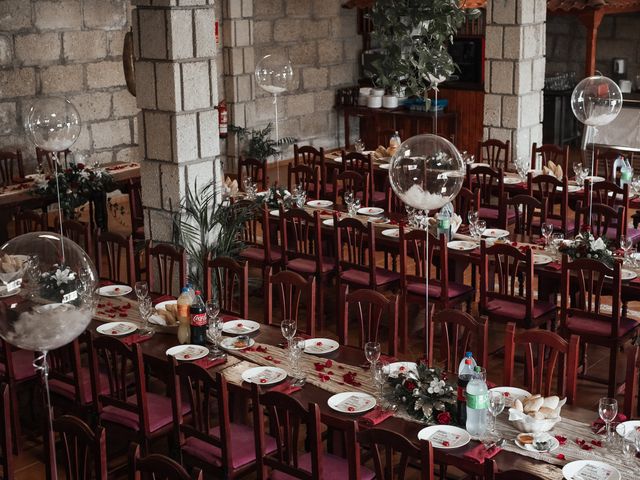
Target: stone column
point(176, 78)
point(514, 72)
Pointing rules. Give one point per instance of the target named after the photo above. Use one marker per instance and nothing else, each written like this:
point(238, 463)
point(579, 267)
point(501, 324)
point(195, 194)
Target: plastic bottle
point(184, 326)
point(192, 292)
point(395, 140)
point(198, 321)
point(465, 374)
point(474, 364)
point(477, 396)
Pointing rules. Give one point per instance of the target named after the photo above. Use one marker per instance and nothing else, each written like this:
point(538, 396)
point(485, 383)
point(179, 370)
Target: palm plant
point(259, 143)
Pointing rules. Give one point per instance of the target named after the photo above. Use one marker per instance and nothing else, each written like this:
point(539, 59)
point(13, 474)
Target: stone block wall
point(71, 48)
point(618, 37)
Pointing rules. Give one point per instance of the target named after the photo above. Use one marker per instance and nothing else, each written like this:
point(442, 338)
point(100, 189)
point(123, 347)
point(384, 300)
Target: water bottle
point(626, 173)
point(184, 325)
point(444, 224)
point(192, 292)
point(395, 140)
point(465, 374)
point(477, 397)
point(474, 364)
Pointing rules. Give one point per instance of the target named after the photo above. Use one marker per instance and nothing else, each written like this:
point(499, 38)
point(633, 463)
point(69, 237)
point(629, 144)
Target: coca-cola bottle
point(198, 314)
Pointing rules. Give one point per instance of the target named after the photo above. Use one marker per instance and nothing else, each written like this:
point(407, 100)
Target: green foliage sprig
point(259, 143)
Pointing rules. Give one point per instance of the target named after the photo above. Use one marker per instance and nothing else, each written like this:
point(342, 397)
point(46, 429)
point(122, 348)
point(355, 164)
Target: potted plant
point(258, 142)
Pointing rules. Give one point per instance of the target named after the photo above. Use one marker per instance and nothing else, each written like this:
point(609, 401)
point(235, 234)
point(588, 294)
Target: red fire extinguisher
point(223, 120)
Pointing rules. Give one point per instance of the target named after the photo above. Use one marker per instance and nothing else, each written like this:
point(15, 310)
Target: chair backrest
point(65, 367)
point(11, 167)
point(386, 446)
point(361, 163)
point(208, 399)
point(6, 443)
point(585, 289)
point(84, 452)
point(308, 155)
point(466, 201)
point(509, 278)
point(460, 332)
point(549, 153)
point(491, 473)
point(292, 291)
point(27, 221)
point(256, 230)
point(494, 152)
point(115, 257)
point(366, 311)
point(604, 159)
point(393, 202)
point(605, 221)
point(356, 246)
point(608, 193)
point(169, 261)
point(301, 236)
point(526, 208)
point(157, 467)
point(254, 168)
point(45, 159)
point(305, 175)
point(135, 204)
point(228, 281)
point(547, 356)
point(556, 192)
point(79, 232)
point(489, 181)
point(354, 181)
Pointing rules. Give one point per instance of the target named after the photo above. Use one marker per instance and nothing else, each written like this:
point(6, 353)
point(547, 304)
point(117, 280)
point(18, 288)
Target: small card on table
point(445, 439)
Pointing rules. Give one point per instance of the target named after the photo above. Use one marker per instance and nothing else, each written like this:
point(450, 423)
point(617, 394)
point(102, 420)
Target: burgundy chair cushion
point(68, 391)
point(435, 289)
point(490, 213)
point(160, 413)
point(557, 223)
point(589, 326)
point(333, 467)
point(22, 365)
point(516, 310)
point(257, 254)
point(306, 265)
point(378, 197)
point(360, 277)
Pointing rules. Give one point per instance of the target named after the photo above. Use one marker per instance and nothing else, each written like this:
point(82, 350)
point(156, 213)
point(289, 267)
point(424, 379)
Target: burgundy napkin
point(374, 417)
point(554, 266)
point(206, 363)
point(598, 425)
point(479, 453)
point(521, 184)
point(285, 388)
point(135, 338)
point(163, 298)
point(635, 280)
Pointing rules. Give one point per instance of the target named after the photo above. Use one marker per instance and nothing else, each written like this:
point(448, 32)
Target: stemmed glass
point(142, 290)
point(546, 229)
point(215, 325)
point(472, 218)
point(296, 347)
point(496, 406)
point(581, 176)
point(481, 226)
point(372, 352)
point(288, 328)
point(411, 214)
point(380, 377)
point(359, 145)
point(348, 197)
point(626, 244)
point(577, 169)
point(146, 310)
point(608, 409)
point(556, 241)
point(522, 167)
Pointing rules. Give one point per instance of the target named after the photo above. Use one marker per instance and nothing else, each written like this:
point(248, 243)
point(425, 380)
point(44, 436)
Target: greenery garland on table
point(585, 245)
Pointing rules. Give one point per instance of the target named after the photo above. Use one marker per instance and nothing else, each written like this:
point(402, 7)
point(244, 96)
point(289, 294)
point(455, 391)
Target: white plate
point(337, 159)
point(366, 402)
point(397, 368)
point(384, 166)
point(228, 343)
point(540, 259)
point(264, 375)
point(115, 290)
point(117, 329)
point(328, 222)
point(463, 245)
point(274, 213)
point(379, 220)
point(629, 424)
point(571, 188)
point(595, 179)
point(511, 394)
point(572, 468)
point(320, 203)
point(165, 303)
point(432, 434)
point(188, 352)
point(511, 180)
point(240, 327)
point(320, 346)
point(478, 164)
point(495, 233)
point(391, 232)
point(4, 293)
point(371, 211)
point(529, 447)
point(625, 275)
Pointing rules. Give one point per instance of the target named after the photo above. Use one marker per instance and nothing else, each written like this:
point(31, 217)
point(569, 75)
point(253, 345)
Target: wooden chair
point(364, 311)
point(157, 467)
point(604, 159)
point(550, 153)
point(609, 193)
point(543, 349)
point(45, 159)
point(114, 257)
point(495, 153)
point(506, 289)
point(6, 435)
point(291, 289)
point(254, 168)
point(605, 221)
point(363, 164)
point(308, 177)
point(11, 167)
point(135, 208)
point(460, 332)
point(167, 259)
point(631, 407)
point(491, 473)
point(429, 261)
point(556, 193)
point(79, 232)
point(228, 281)
point(394, 445)
point(491, 185)
point(354, 181)
point(28, 221)
point(207, 438)
point(467, 200)
point(584, 287)
point(84, 452)
point(142, 416)
point(307, 155)
point(527, 209)
point(288, 419)
point(393, 204)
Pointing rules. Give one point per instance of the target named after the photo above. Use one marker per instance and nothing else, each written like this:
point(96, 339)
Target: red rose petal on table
point(263, 380)
point(328, 364)
point(114, 332)
point(111, 316)
point(318, 344)
point(101, 305)
point(319, 367)
point(187, 356)
point(351, 409)
point(445, 444)
point(124, 314)
point(329, 372)
point(239, 325)
point(597, 443)
point(560, 456)
point(506, 394)
point(561, 440)
point(127, 306)
point(276, 361)
point(268, 357)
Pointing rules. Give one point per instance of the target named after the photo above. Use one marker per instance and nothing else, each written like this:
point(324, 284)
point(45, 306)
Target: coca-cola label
point(199, 319)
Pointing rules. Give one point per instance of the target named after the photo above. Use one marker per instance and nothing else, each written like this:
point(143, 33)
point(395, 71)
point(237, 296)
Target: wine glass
point(546, 229)
point(288, 328)
point(215, 326)
point(608, 410)
point(626, 244)
point(142, 290)
point(577, 169)
point(348, 197)
point(481, 226)
point(472, 219)
point(556, 240)
point(146, 310)
point(213, 308)
point(380, 377)
point(359, 145)
point(496, 406)
point(297, 345)
point(372, 352)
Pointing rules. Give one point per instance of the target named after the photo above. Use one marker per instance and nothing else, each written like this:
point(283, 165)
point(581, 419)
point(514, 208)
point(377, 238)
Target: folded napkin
point(374, 417)
point(554, 266)
point(206, 363)
point(163, 298)
point(285, 388)
point(157, 320)
point(598, 425)
point(480, 453)
point(135, 338)
point(635, 280)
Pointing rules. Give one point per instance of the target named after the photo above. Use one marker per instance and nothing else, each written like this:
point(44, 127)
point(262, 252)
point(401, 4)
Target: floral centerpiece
point(58, 282)
point(78, 184)
point(585, 245)
point(276, 196)
point(427, 396)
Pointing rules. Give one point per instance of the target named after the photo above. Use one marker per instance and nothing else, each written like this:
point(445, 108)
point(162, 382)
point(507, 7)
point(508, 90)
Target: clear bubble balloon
point(596, 101)
point(427, 172)
point(53, 123)
point(50, 287)
point(274, 73)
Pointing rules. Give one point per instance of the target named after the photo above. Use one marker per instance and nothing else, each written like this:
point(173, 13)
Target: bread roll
point(547, 412)
point(518, 405)
point(539, 416)
point(551, 402)
point(532, 404)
